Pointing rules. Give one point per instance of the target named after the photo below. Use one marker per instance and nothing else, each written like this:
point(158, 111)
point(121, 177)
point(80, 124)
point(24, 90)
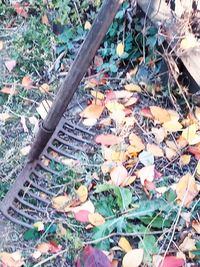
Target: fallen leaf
point(129, 180)
point(20, 10)
point(159, 134)
point(98, 60)
point(188, 42)
point(190, 134)
point(4, 117)
point(160, 114)
point(43, 108)
point(8, 259)
point(146, 158)
point(43, 247)
point(82, 193)
point(27, 82)
point(146, 173)
point(9, 90)
point(54, 247)
point(136, 143)
point(124, 244)
point(10, 64)
point(146, 112)
point(60, 203)
point(188, 244)
point(155, 150)
point(132, 87)
point(131, 101)
point(108, 139)
point(39, 226)
point(114, 106)
point(97, 94)
point(25, 150)
point(172, 126)
point(1, 45)
point(88, 206)
point(118, 175)
point(170, 153)
point(184, 160)
point(186, 190)
point(90, 257)
point(87, 25)
point(196, 226)
point(171, 261)
point(96, 219)
point(92, 111)
point(133, 258)
point(106, 122)
point(82, 216)
point(195, 151)
point(44, 88)
point(36, 254)
point(120, 49)
point(121, 94)
point(89, 122)
point(45, 20)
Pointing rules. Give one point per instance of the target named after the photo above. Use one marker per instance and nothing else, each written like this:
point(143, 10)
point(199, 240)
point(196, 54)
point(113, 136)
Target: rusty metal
point(29, 198)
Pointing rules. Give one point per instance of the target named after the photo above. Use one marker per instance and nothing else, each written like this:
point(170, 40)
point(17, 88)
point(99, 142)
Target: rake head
point(29, 198)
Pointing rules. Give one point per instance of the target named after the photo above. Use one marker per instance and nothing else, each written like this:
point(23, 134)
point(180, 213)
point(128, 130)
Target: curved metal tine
point(41, 188)
point(41, 177)
point(17, 221)
point(63, 142)
point(22, 201)
point(77, 137)
point(63, 153)
point(39, 163)
point(25, 214)
point(38, 198)
point(73, 127)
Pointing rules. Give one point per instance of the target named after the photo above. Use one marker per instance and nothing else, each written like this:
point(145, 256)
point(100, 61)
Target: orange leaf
point(146, 112)
point(146, 173)
point(20, 10)
point(155, 150)
point(43, 247)
point(196, 226)
point(185, 160)
point(172, 126)
point(108, 139)
point(96, 219)
point(9, 90)
point(132, 87)
point(82, 193)
point(45, 20)
point(195, 151)
point(160, 114)
point(27, 82)
point(118, 175)
point(92, 111)
point(186, 189)
point(136, 143)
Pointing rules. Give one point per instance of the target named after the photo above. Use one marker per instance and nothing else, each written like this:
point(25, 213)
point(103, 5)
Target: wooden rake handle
point(78, 69)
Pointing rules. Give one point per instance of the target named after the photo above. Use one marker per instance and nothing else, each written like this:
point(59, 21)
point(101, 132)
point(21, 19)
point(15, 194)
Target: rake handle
point(77, 71)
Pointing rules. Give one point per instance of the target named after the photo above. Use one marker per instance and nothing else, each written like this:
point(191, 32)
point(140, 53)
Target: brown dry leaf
point(160, 114)
point(196, 226)
point(172, 126)
point(129, 180)
point(44, 88)
point(190, 134)
point(11, 259)
point(25, 150)
point(43, 108)
point(96, 219)
point(146, 173)
point(118, 175)
point(105, 122)
point(124, 244)
point(131, 101)
point(136, 143)
point(10, 64)
point(114, 106)
point(97, 95)
point(45, 20)
point(188, 244)
point(155, 150)
point(87, 206)
point(120, 49)
point(122, 94)
point(132, 87)
point(133, 258)
point(60, 203)
point(170, 153)
point(159, 134)
point(92, 111)
point(9, 90)
point(61, 231)
point(27, 82)
point(43, 247)
point(87, 25)
point(184, 160)
point(186, 190)
point(82, 193)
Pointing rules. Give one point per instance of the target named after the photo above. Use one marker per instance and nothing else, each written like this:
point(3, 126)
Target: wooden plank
point(160, 14)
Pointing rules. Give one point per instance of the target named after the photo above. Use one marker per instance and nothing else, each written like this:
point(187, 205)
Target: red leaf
point(108, 139)
point(195, 151)
point(149, 185)
point(110, 95)
point(146, 112)
point(20, 10)
point(157, 174)
point(8, 91)
point(82, 216)
point(171, 261)
point(92, 257)
point(54, 247)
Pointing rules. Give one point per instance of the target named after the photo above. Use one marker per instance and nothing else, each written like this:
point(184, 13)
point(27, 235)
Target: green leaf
point(105, 206)
point(31, 234)
point(124, 197)
point(150, 247)
point(156, 222)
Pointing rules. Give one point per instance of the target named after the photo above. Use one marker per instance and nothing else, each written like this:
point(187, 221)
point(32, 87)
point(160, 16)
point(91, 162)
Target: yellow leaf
point(174, 116)
point(39, 226)
point(188, 244)
point(87, 25)
point(129, 180)
point(136, 143)
point(60, 203)
point(97, 94)
point(106, 122)
point(186, 190)
point(133, 258)
point(185, 160)
point(160, 114)
point(114, 106)
point(118, 175)
point(131, 87)
point(146, 173)
point(188, 42)
point(131, 101)
point(96, 219)
point(197, 113)
point(172, 126)
point(155, 150)
point(92, 111)
point(82, 193)
point(44, 88)
point(124, 244)
point(4, 117)
point(25, 150)
point(190, 135)
point(120, 49)
point(43, 108)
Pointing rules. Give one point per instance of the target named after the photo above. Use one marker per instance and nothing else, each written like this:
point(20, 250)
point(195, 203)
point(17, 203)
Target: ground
point(131, 188)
